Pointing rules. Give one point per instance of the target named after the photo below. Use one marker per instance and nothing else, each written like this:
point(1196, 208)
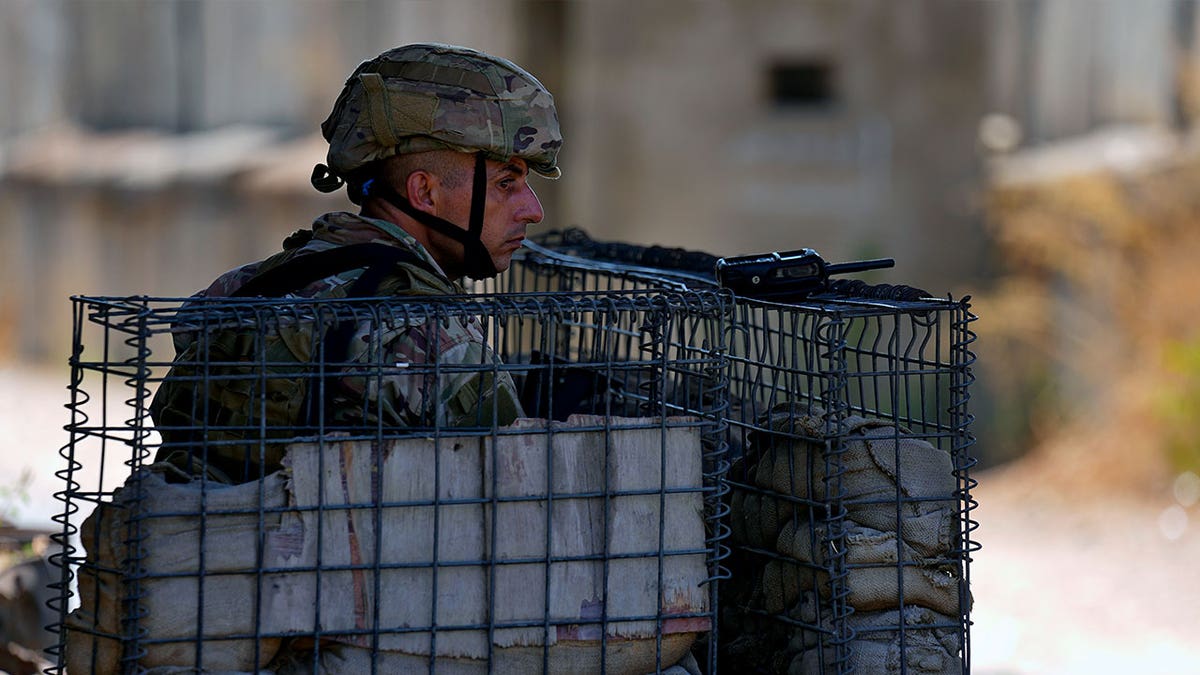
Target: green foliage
point(1178, 404)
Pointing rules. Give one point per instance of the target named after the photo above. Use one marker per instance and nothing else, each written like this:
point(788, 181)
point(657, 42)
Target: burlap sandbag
point(889, 478)
point(175, 613)
point(93, 629)
point(168, 518)
point(873, 575)
point(870, 588)
point(931, 645)
point(755, 519)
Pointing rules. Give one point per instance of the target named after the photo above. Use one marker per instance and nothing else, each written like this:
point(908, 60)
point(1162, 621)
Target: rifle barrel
point(859, 266)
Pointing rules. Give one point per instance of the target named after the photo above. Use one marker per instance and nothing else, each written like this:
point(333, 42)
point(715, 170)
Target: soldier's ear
point(421, 189)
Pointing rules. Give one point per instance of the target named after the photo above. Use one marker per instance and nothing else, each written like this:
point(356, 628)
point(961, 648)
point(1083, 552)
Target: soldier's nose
point(532, 208)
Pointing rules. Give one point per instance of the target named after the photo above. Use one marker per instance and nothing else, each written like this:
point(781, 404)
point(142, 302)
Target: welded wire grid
point(379, 541)
point(821, 392)
point(851, 489)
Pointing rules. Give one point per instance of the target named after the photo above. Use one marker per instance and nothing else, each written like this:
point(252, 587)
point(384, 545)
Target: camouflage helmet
point(431, 96)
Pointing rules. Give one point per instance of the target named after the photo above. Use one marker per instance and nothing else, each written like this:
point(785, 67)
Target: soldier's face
point(511, 206)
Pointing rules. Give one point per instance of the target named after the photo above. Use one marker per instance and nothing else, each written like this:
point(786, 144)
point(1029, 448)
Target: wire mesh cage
point(851, 491)
point(527, 482)
point(849, 496)
point(847, 506)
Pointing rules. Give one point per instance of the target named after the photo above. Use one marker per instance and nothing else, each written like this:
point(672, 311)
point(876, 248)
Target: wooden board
point(472, 531)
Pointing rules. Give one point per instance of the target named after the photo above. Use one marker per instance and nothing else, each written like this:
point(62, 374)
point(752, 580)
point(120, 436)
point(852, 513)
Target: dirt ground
point(1102, 585)
point(1095, 585)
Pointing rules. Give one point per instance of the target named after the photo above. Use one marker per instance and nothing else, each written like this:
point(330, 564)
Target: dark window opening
point(806, 84)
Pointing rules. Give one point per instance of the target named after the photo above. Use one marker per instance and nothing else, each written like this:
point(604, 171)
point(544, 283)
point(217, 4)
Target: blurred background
point(1040, 156)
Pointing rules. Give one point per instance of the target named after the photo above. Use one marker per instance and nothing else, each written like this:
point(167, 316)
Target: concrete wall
point(673, 135)
point(147, 146)
point(685, 145)
point(184, 65)
point(1062, 68)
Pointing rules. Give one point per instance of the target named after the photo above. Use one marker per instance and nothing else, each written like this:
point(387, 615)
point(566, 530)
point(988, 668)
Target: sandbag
point(874, 576)
point(756, 518)
point(624, 461)
point(93, 629)
point(606, 483)
point(898, 543)
point(888, 477)
point(165, 518)
point(931, 645)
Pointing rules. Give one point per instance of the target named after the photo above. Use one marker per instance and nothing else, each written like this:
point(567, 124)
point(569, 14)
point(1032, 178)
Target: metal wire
point(133, 574)
point(961, 419)
point(887, 353)
point(763, 384)
point(637, 361)
point(64, 540)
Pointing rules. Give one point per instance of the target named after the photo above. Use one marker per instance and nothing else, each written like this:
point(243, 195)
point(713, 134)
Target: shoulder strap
point(302, 270)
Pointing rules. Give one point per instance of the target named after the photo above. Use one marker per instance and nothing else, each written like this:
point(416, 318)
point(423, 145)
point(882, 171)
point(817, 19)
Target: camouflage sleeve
point(429, 374)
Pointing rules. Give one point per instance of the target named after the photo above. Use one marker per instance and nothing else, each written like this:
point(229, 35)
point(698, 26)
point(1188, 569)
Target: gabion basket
point(851, 491)
point(582, 536)
point(849, 496)
point(841, 537)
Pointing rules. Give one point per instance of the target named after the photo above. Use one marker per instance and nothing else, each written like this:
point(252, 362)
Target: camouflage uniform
point(219, 418)
point(437, 97)
point(361, 395)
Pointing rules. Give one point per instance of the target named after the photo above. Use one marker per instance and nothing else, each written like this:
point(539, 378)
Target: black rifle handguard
point(788, 275)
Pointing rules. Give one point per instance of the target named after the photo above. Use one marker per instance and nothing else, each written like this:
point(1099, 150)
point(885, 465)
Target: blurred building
point(147, 145)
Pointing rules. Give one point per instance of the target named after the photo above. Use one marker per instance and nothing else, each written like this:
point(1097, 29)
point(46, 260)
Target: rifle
point(786, 276)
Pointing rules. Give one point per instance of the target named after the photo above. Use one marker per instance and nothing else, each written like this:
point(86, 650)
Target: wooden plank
point(546, 483)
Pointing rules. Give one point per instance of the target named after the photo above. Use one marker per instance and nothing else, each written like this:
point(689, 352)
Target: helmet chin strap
point(477, 262)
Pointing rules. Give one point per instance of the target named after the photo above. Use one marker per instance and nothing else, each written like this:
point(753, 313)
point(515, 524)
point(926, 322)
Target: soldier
point(436, 144)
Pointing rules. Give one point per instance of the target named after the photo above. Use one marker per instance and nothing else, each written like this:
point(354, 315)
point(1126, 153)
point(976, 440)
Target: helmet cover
point(431, 96)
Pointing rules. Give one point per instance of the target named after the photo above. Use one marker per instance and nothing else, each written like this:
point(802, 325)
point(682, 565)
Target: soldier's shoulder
point(228, 283)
